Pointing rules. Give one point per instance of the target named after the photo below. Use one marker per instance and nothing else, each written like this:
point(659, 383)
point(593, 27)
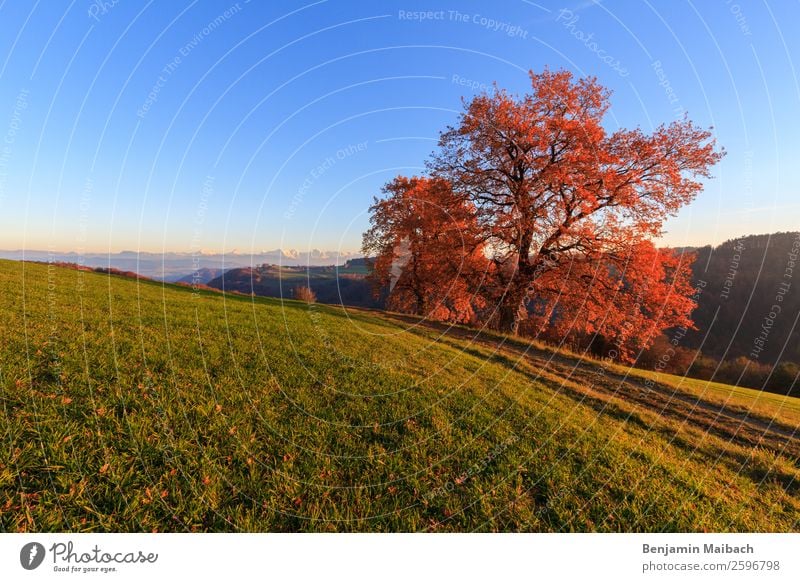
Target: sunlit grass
point(139, 407)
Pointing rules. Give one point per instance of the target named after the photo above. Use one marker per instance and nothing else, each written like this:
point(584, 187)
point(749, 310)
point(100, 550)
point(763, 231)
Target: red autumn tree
point(423, 239)
point(562, 203)
point(627, 297)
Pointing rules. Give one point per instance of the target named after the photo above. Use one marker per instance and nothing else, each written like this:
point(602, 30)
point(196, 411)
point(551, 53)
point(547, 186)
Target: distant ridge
point(744, 279)
point(173, 266)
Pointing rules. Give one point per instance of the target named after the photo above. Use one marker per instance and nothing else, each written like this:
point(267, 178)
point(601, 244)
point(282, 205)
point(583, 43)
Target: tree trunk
point(512, 306)
point(511, 311)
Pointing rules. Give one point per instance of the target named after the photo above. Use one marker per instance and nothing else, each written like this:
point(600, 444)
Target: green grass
point(785, 408)
point(782, 408)
point(132, 406)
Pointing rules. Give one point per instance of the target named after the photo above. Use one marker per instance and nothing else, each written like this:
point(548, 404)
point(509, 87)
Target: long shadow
point(740, 434)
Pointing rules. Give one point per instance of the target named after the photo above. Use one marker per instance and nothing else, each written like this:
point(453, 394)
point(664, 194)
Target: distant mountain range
point(173, 267)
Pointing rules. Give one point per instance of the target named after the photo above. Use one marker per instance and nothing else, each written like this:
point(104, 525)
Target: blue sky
point(256, 125)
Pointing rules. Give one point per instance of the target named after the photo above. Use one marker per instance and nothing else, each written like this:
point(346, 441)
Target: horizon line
point(325, 252)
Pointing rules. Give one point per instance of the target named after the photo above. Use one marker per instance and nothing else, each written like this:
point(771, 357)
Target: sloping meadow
point(132, 406)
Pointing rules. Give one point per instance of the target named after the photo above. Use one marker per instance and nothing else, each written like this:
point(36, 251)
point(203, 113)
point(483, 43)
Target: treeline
point(781, 378)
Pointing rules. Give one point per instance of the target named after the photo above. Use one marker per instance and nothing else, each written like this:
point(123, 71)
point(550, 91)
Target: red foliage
point(560, 201)
point(427, 251)
point(304, 293)
point(555, 213)
point(627, 298)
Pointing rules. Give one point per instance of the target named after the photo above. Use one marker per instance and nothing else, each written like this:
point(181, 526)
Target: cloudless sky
point(259, 125)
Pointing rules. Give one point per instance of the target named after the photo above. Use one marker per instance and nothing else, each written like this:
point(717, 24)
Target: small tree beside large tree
point(427, 250)
point(565, 210)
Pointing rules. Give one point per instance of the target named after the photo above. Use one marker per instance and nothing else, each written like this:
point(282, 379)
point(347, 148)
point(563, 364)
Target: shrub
point(784, 379)
point(305, 293)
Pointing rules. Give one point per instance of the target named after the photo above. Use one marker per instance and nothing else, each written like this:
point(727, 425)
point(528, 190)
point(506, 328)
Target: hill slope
point(745, 278)
point(339, 285)
point(134, 406)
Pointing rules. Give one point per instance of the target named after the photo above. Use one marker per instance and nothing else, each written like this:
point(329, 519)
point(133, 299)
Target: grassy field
point(132, 406)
